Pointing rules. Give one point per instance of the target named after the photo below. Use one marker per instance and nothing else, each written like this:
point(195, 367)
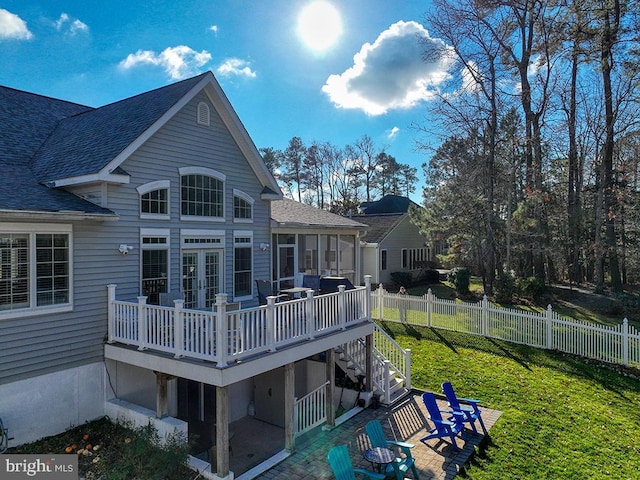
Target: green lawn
point(562, 417)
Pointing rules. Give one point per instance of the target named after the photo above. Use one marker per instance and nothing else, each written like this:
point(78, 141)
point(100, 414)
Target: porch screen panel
point(348, 256)
point(329, 254)
point(308, 254)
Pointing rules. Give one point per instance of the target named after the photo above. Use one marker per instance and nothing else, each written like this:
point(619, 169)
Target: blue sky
point(368, 79)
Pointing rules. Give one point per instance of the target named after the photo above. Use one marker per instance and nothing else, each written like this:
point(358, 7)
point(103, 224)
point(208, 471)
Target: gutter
point(65, 215)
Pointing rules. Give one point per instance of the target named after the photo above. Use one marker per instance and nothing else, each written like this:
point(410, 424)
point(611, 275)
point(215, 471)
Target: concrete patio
point(406, 420)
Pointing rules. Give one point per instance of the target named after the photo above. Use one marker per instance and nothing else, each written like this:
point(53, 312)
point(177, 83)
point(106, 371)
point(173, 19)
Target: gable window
point(154, 199)
point(204, 116)
point(242, 207)
point(383, 260)
point(35, 268)
point(202, 193)
point(242, 264)
point(155, 263)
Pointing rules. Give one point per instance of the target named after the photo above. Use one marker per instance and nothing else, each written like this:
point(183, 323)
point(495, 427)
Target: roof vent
point(203, 114)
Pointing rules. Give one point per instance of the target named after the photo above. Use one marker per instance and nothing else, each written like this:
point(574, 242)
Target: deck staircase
point(391, 366)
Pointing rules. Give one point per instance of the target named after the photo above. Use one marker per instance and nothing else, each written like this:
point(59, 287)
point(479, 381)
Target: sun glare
point(319, 25)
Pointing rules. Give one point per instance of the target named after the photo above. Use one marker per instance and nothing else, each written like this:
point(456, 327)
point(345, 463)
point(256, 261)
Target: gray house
point(393, 242)
point(129, 236)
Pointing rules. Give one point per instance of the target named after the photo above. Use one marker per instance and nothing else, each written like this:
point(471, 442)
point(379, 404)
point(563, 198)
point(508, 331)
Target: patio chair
point(265, 289)
point(312, 282)
point(441, 427)
point(403, 463)
point(469, 413)
point(342, 467)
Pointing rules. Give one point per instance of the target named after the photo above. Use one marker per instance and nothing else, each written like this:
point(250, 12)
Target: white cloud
point(393, 133)
point(72, 27)
point(178, 62)
point(391, 73)
point(214, 28)
point(235, 67)
point(13, 27)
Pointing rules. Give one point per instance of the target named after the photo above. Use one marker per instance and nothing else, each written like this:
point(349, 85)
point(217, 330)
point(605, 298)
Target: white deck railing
point(311, 410)
point(221, 336)
point(615, 344)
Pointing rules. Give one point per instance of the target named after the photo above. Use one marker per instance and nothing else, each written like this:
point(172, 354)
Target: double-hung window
point(201, 194)
point(35, 268)
point(242, 264)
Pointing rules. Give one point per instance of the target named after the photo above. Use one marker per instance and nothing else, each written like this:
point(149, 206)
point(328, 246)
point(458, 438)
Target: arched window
point(202, 193)
point(154, 199)
point(242, 207)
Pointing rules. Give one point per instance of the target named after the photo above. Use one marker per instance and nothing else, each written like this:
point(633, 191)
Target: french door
point(201, 277)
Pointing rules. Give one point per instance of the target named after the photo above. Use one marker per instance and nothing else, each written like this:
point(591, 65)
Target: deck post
point(221, 330)
point(143, 334)
point(367, 300)
point(311, 317)
point(331, 386)
point(222, 432)
point(387, 382)
point(162, 403)
point(111, 320)
point(368, 358)
point(178, 331)
point(407, 368)
point(289, 407)
point(271, 323)
point(342, 307)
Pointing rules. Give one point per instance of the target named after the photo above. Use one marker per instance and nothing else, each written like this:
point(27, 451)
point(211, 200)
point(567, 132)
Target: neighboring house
point(393, 242)
point(307, 240)
point(124, 232)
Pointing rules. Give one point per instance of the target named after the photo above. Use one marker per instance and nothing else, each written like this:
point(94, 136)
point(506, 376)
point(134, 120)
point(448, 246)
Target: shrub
point(460, 277)
point(504, 288)
point(530, 287)
point(429, 276)
point(402, 278)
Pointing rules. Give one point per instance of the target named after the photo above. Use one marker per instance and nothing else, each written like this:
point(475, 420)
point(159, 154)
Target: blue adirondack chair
point(470, 413)
point(402, 464)
point(342, 467)
point(441, 427)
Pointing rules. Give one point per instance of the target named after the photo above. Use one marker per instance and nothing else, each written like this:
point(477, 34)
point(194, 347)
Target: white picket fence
point(618, 344)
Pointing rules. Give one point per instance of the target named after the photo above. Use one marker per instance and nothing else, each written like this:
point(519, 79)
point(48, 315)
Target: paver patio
point(406, 420)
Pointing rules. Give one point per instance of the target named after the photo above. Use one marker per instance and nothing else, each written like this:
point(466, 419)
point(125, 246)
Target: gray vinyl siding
point(40, 344)
point(404, 235)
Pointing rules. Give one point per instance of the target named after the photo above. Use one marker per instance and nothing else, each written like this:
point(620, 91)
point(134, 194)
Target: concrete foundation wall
point(53, 403)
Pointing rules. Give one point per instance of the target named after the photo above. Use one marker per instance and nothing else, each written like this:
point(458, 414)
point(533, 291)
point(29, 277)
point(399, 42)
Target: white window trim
point(149, 187)
point(209, 172)
point(186, 233)
point(247, 198)
point(156, 232)
point(32, 230)
point(243, 234)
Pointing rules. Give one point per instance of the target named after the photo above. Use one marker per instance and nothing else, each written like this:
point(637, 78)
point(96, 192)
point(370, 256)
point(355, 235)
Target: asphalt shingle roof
point(84, 144)
point(26, 121)
point(380, 225)
point(289, 212)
